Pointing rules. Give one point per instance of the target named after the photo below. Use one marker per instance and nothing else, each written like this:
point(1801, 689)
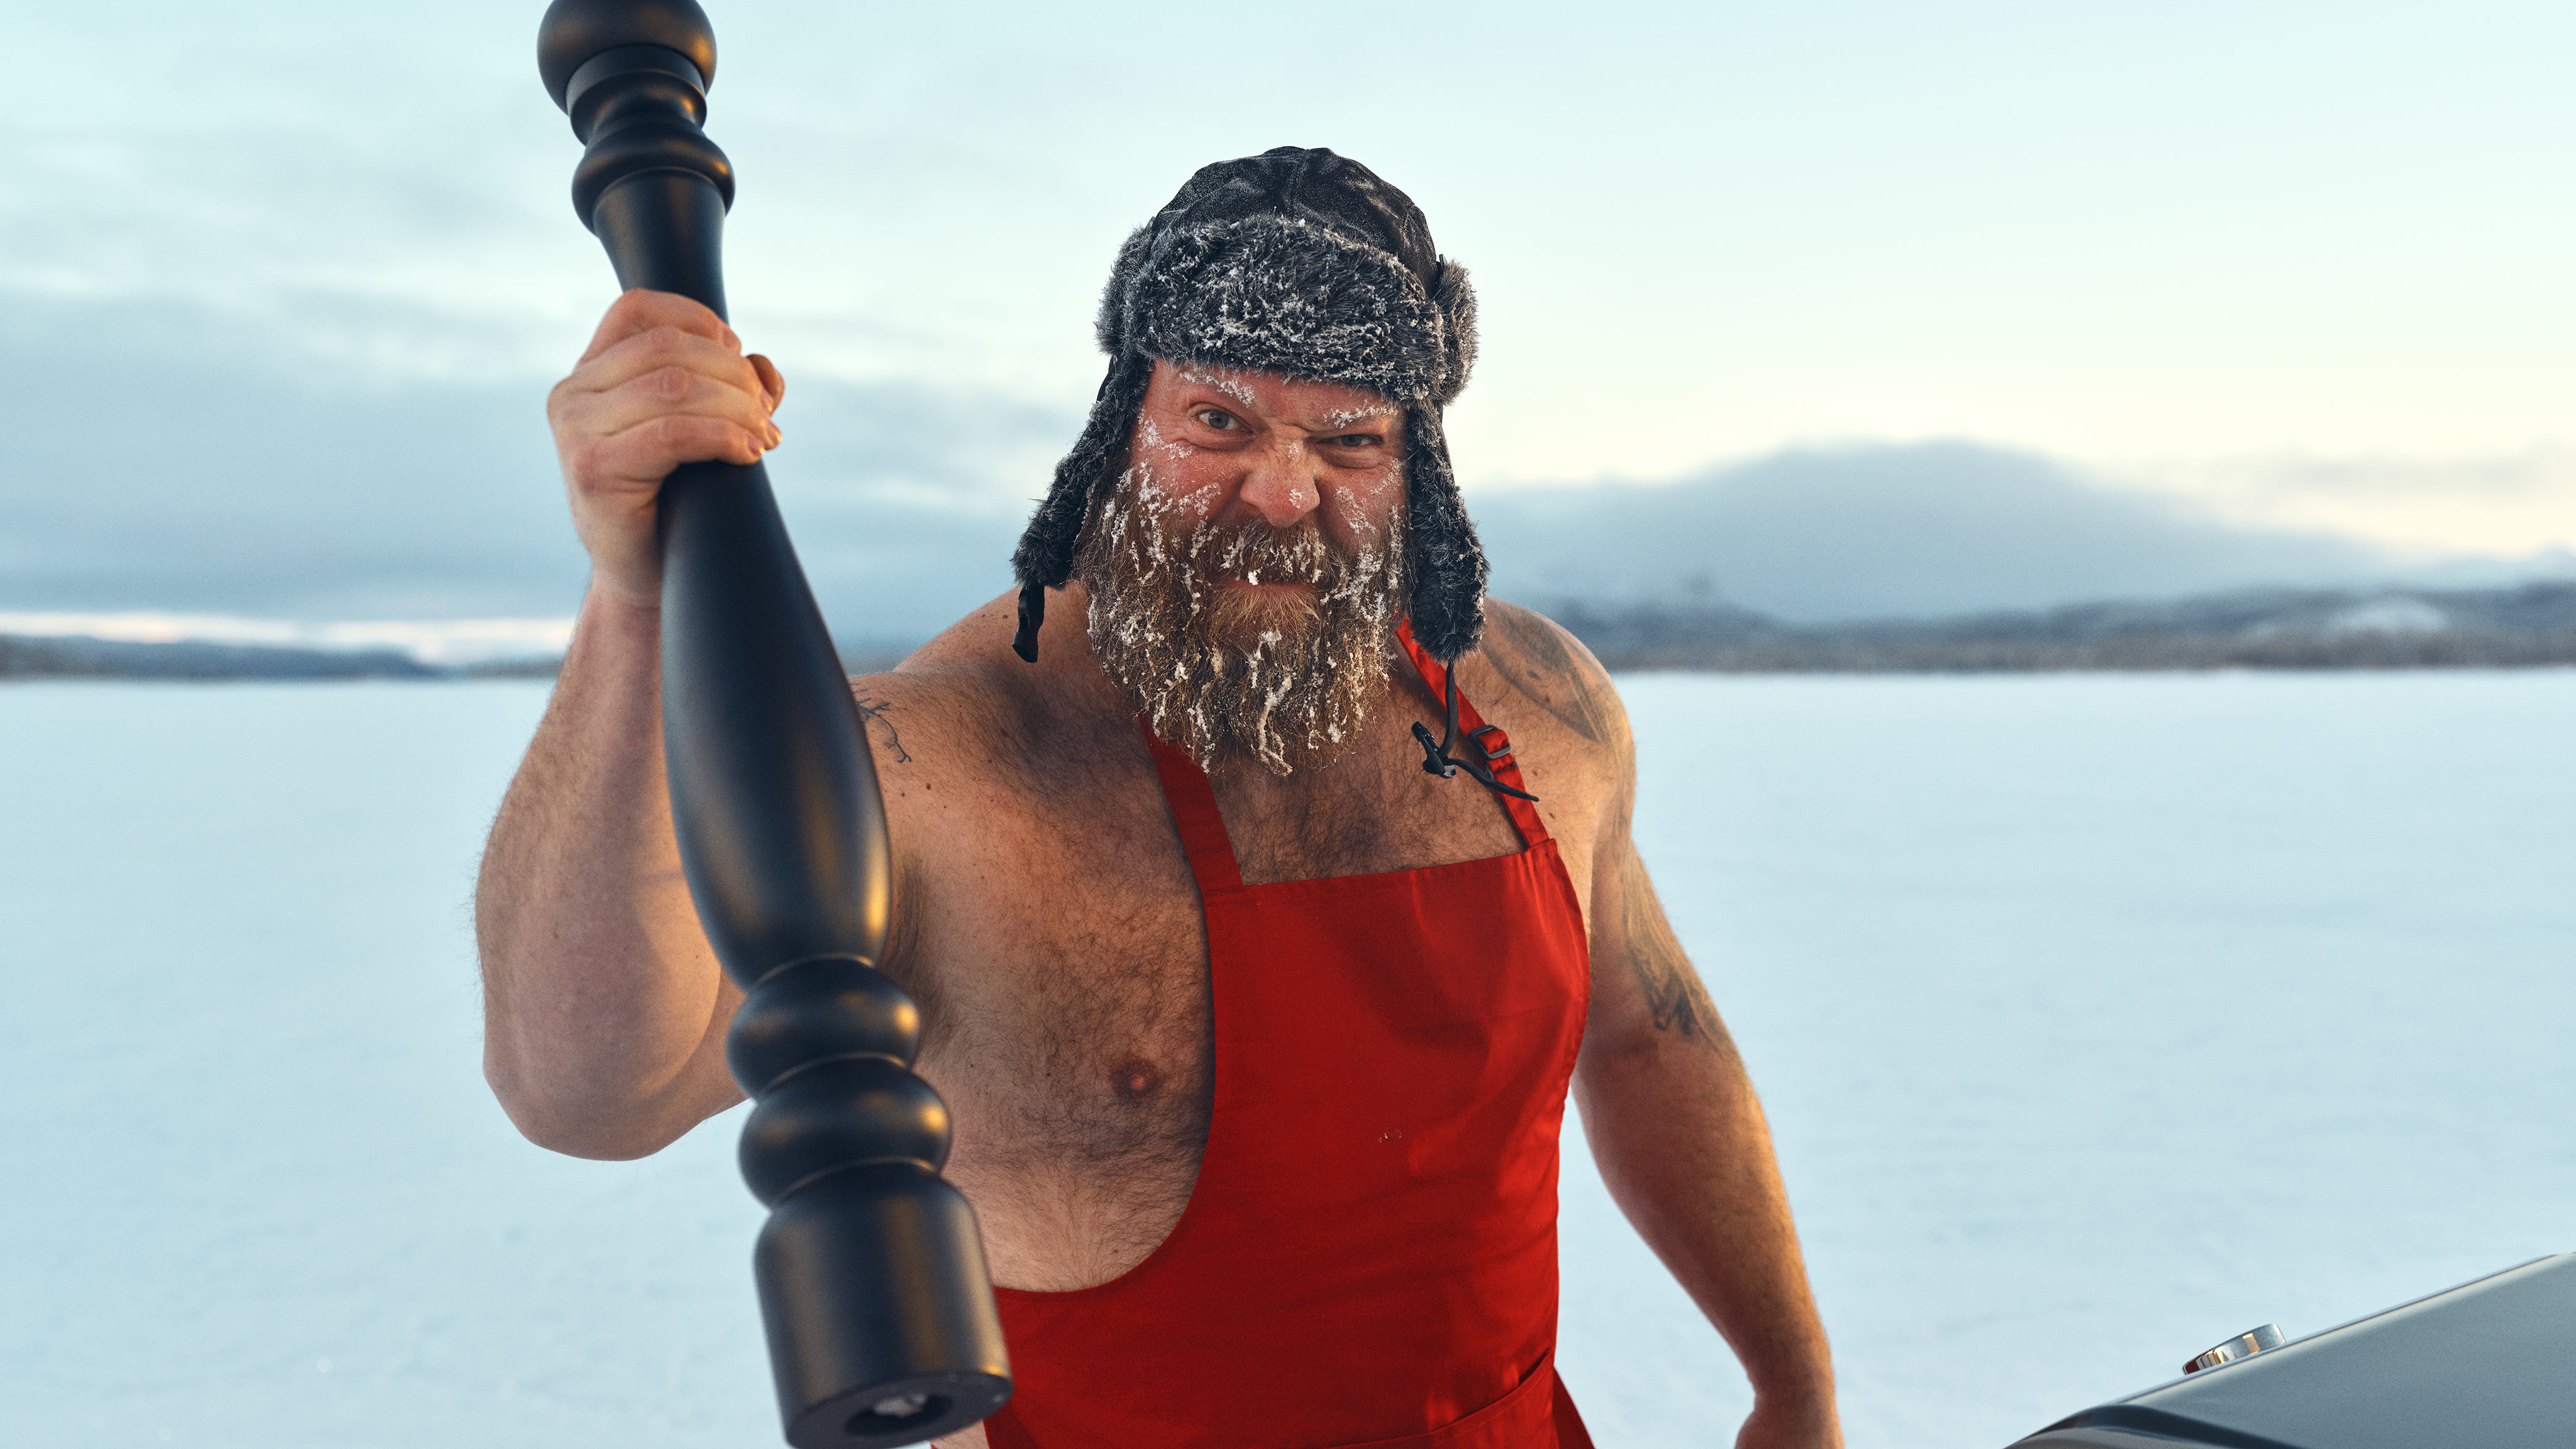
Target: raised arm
point(604, 1008)
point(1681, 1141)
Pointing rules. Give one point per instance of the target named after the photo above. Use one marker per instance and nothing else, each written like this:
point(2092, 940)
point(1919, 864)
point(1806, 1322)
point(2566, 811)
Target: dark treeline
point(2263, 629)
point(198, 660)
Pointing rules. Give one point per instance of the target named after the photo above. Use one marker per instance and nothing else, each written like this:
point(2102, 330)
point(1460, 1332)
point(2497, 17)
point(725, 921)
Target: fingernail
point(774, 435)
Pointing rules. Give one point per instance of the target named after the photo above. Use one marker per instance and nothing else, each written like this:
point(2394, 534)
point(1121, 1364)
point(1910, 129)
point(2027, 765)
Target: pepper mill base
point(861, 1291)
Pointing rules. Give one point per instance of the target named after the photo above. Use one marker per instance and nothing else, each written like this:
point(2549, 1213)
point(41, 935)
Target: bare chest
point(1066, 998)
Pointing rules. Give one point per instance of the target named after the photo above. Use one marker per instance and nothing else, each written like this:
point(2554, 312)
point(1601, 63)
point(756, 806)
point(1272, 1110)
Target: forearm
point(603, 1004)
point(1682, 1144)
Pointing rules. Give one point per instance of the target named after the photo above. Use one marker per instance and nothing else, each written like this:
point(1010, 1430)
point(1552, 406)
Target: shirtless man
point(1255, 985)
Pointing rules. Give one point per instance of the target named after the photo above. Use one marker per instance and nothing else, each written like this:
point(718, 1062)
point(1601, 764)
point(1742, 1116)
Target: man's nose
point(1281, 485)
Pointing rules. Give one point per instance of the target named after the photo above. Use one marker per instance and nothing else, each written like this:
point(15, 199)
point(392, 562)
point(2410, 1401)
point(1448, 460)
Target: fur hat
point(1304, 263)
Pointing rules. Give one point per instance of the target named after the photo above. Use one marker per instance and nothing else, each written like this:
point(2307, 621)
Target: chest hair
point(1077, 1049)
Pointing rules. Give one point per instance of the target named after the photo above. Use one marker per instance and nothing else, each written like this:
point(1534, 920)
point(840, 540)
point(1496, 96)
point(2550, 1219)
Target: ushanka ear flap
point(1447, 595)
point(1446, 600)
point(1044, 558)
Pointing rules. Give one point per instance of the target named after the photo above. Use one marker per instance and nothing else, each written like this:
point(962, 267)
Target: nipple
point(1136, 1079)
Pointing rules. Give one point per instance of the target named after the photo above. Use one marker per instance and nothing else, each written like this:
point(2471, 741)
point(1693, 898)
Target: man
point(1253, 966)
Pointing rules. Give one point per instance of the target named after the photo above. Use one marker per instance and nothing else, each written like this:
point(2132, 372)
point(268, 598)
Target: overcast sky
point(305, 269)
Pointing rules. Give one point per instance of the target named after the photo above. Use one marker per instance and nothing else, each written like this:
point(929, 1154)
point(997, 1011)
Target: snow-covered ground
point(2099, 1018)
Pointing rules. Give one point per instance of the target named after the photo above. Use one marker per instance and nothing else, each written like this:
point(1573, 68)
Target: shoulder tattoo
point(1540, 666)
point(874, 712)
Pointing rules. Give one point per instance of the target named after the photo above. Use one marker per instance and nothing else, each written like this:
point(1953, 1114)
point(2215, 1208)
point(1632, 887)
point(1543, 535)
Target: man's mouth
point(1261, 586)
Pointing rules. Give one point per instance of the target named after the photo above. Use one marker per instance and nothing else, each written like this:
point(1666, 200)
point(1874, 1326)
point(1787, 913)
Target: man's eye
point(1358, 440)
point(1218, 418)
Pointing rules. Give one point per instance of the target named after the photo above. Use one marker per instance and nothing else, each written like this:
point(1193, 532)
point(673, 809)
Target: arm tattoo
point(874, 712)
point(1543, 669)
point(1674, 995)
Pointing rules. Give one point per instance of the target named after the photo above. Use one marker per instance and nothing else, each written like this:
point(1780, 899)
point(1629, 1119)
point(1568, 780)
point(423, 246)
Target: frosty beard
point(1225, 675)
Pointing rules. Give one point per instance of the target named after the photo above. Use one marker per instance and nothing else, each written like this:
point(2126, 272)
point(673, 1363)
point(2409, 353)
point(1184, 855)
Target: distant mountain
point(2255, 629)
point(1925, 530)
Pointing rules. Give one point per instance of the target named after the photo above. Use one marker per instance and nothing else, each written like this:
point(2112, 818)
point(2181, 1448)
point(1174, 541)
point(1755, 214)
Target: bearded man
point(1254, 963)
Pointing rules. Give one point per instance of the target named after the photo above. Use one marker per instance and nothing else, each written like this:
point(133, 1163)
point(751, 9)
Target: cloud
point(1856, 532)
point(189, 461)
point(184, 460)
point(2500, 503)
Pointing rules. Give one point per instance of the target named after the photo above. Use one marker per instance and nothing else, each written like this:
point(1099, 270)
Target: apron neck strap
point(1193, 805)
point(1202, 827)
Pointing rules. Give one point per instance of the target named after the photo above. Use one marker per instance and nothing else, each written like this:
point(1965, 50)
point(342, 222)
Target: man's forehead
point(1332, 404)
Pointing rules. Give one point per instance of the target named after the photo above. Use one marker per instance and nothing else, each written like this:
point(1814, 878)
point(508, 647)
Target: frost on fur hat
point(1304, 263)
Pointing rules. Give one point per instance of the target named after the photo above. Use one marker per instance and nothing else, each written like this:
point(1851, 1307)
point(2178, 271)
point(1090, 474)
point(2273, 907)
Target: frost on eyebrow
point(1231, 381)
point(1344, 417)
point(1227, 380)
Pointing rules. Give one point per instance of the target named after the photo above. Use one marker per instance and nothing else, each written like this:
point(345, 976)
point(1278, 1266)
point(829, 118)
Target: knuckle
point(565, 399)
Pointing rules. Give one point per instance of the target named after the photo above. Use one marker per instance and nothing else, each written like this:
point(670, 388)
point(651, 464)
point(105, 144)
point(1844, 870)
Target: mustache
point(1281, 680)
point(1259, 553)
point(1301, 553)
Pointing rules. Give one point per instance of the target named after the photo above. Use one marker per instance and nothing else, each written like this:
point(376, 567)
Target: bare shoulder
point(1568, 729)
point(991, 736)
point(1550, 670)
point(955, 693)
point(982, 698)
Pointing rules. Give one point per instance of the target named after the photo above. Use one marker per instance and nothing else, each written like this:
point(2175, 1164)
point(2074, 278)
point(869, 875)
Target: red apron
point(1368, 1256)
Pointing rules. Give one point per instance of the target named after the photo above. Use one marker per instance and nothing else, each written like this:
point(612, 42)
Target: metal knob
point(2244, 1345)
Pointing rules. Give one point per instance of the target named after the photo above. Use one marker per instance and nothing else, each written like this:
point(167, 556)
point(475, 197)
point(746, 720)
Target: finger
point(657, 348)
point(772, 381)
point(670, 391)
point(641, 311)
point(645, 454)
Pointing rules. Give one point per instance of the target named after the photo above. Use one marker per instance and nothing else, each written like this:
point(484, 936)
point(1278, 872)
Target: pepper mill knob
point(576, 30)
point(2244, 1345)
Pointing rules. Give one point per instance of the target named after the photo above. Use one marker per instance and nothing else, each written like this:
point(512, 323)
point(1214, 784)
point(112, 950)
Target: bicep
point(1645, 992)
